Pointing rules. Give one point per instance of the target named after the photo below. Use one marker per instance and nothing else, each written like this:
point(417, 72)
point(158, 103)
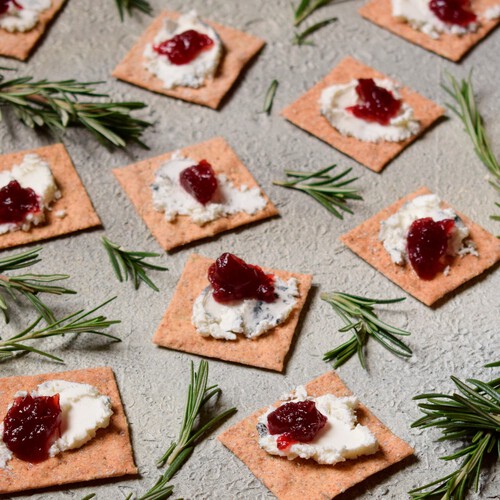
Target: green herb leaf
point(306, 8)
point(128, 6)
point(271, 92)
point(301, 38)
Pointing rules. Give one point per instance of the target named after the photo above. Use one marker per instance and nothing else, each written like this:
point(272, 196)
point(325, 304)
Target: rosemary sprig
point(471, 415)
point(131, 263)
point(74, 324)
point(269, 99)
point(329, 191)
point(301, 38)
point(127, 6)
point(306, 8)
point(359, 316)
point(55, 106)
point(29, 286)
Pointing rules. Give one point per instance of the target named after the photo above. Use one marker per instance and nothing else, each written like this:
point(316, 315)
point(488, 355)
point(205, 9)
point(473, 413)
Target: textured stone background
point(86, 42)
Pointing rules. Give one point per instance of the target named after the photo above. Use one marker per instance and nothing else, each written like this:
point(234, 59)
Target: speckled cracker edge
point(452, 47)
point(75, 202)
point(20, 45)
point(108, 455)
point(299, 479)
point(239, 49)
point(305, 113)
point(363, 240)
point(136, 179)
point(268, 351)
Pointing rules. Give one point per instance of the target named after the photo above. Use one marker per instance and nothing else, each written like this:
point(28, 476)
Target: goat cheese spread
point(33, 172)
point(394, 230)
point(249, 317)
point(193, 74)
point(23, 15)
point(84, 411)
point(341, 438)
point(491, 13)
point(170, 198)
point(335, 100)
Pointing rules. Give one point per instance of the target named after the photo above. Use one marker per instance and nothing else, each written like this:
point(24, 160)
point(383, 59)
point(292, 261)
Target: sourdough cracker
point(19, 45)
point(177, 332)
point(300, 479)
point(137, 178)
point(363, 240)
point(453, 47)
point(305, 113)
point(108, 455)
point(238, 49)
point(74, 201)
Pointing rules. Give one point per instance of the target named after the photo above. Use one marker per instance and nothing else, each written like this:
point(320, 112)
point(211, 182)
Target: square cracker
point(238, 49)
point(80, 213)
point(136, 179)
point(299, 479)
point(109, 454)
point(20, 44)
point(176, 330)
point(453, 47)
point(363, 240)
point(305, 113)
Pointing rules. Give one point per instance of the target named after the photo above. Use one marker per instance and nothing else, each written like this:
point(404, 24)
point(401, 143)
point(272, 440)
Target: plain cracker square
point(300, 479)
point(453, 47)
point(137, 178)
point(80, 213)
point(20, 44)
point(108, 455)
point(305, 113)
point(239, 49)
point(177, 332)
point(363, 240)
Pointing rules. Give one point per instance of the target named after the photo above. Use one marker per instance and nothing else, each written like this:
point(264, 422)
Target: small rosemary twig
point(269, 99)
point(306, 8)
point(29, 285)
point(329, 191)
point(131, 263)
point(301, 38)
point(359, 316)
point(127, 6)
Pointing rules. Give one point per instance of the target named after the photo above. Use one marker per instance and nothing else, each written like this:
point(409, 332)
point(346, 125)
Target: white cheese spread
point(84, 411)
point(193, 74)
point(249, 317)
point(341, 438)
point(394, 230)
point(491, 13)
point(33, 172)
point(335, 100)
point(24, 18)
point(172, 199)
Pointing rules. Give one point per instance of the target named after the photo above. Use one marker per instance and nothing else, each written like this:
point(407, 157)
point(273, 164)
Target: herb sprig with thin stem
point(131, 263)
point(128, 6)
point(55, 106)
point(30, 285)
point(301, 38)
point(74, 324)
point(269, 99)
point(305, 8)
point(470, 415)
point(359, 316)
point(328, 190)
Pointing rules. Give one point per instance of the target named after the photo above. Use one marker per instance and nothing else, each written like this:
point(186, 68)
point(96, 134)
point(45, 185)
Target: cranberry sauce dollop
point(427, 241)
point(233, 279)
point(185, 47)
point(376, 103)
point(199, 181)
point(17, 202)
point(5, 4)
point(31, 426)
point(453, 11)
point(296, 421)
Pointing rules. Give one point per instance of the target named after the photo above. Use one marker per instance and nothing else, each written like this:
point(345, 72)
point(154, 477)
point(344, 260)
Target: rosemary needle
point(127, 6)
point(305, 8)
point(301, 38)
point(269, 99)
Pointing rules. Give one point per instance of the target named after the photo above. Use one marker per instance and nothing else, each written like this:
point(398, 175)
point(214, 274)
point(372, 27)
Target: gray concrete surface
point(458, 337)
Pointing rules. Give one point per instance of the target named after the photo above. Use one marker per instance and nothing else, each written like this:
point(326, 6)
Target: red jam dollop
point(233, 279)
point(427, 242)
point(5, 4)
point(31, 426)
point(16, 203)
point(199, 181)
point(453, 11)
point(185, 47)
point(296, 422)
point(376, 104)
